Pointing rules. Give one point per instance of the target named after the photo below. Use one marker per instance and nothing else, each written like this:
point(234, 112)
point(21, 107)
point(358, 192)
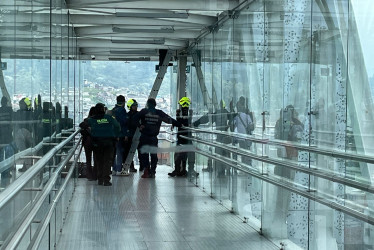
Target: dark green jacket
point(103, 126)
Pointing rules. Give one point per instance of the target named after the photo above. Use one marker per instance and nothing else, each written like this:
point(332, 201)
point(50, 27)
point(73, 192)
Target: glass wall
point(294, 79)
point(39, 76)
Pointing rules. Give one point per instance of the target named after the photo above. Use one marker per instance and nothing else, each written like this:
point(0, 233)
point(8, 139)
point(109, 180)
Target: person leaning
point(150, 122)
point(184, 116)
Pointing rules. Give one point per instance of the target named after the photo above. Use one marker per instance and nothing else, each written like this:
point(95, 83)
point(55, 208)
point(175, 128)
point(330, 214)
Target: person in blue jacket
point(119, 112)
point(150, 122)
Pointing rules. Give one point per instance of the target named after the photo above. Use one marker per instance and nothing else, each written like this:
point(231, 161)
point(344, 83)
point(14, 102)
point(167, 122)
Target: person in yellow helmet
point(184, 116)
point(132, 105)
point(23, 129)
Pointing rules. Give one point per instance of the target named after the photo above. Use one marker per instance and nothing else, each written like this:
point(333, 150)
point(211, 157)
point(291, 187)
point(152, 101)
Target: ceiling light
point(153, 15)
point(154, 41)
point(162, 30)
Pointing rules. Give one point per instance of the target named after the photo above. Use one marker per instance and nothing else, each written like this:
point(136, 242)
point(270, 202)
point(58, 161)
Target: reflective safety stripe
point(102, 121)
point(46, 121)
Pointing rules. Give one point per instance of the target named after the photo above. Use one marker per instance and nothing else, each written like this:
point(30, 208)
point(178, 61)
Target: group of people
point(26, 128)
point(108, 134)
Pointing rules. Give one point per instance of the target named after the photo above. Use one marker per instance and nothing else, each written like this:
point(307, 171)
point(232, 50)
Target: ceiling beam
point(217, 5)
point(107, 30)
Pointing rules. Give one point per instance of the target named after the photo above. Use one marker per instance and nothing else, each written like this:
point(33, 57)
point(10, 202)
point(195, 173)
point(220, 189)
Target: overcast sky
point(363, 12)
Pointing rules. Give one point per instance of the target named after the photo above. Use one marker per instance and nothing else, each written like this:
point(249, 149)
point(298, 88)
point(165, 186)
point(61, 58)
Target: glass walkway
point(281, 115)
point(160, 213)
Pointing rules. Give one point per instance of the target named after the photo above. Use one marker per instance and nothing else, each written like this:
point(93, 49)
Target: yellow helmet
point(223, 104)
point(131, 102)
point(185, 102)
point(27, 102)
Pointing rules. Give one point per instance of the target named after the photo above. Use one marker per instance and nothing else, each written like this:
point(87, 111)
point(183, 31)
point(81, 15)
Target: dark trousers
point(103, 157)
point(180, 160)
point(91, 170)
point(144, 156)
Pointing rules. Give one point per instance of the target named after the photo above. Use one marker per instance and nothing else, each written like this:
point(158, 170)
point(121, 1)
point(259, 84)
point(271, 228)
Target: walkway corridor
point(161, 213)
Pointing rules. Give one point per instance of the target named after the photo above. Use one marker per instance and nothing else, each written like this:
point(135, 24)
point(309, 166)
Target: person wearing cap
point(119, 112)
point(104, 130)
point(132, 105)
point(150, 122)
point(184, 116)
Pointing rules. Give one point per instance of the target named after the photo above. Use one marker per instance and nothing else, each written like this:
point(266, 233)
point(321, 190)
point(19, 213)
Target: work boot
point(145, 174)
point(182, 173)
point(132, 169)
point(174, 173)
point(107, 183)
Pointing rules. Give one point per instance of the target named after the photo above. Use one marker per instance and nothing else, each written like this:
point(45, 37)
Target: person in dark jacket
point(23, 129)
point(150, 122)
point(184, 116)
point(119, 112)
point(104, 130)
point(6, 138)
point(88, 147)
point(132, 105)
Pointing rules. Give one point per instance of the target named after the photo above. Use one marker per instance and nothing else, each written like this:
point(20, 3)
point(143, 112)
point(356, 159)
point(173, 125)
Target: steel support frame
point(206, 98)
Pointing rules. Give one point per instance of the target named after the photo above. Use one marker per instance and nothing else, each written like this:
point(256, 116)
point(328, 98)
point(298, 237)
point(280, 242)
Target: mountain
point(31, 77)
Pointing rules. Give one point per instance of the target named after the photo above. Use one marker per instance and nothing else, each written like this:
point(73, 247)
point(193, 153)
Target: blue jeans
point(117, 165)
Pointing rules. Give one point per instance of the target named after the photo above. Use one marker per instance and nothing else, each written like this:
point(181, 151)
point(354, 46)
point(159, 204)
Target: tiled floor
point(160, 213)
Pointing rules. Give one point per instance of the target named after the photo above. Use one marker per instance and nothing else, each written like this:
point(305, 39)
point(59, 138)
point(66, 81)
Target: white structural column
point(298, 216)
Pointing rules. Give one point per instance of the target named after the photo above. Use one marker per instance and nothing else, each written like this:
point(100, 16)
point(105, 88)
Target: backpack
point(248, 127)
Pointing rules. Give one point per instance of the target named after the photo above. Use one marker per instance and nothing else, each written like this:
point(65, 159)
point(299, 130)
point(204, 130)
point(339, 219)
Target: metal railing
point(311, 149)
point(343, 205)
point(9, 162)
point(17, 234)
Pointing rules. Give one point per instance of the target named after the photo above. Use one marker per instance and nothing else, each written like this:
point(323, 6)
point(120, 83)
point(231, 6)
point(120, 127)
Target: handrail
point(8, 163)
point(35, 242)
point(19, 233)
point(298, 167)
point(290, 187)
point(16, 186)
point(312, 149)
